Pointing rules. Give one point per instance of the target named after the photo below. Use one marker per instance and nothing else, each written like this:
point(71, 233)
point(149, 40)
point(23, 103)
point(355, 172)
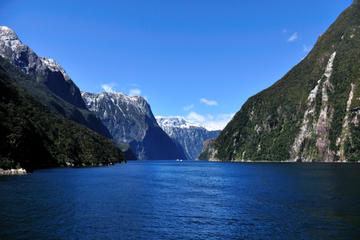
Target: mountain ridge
point(47, 81)
point(308, 115)
point(130, 120)
point(28, 61)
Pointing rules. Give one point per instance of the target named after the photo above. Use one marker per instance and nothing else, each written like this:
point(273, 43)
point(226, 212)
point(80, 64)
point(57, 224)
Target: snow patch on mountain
point(176, 121)
point(9, 37)
point(22, 56)
point(190, 136)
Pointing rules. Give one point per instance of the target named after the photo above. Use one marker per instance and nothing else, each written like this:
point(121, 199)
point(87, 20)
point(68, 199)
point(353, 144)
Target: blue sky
point(201, 59)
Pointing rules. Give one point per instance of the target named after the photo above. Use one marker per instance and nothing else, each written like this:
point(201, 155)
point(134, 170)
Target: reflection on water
point(184, 200)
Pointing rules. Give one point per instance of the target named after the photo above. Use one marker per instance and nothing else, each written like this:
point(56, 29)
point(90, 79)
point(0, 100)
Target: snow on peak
point(9, 39)
point(124, 96)
point(7, 34)
point(119, 96)
point(14, 50)
point(94, 101)
point(175, 122)
point(54, 66)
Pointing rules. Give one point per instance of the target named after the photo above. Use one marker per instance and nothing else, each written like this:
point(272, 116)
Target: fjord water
point(184, 200)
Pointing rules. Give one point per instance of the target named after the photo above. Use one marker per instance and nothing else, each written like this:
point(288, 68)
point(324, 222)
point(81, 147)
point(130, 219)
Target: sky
point(200, 59)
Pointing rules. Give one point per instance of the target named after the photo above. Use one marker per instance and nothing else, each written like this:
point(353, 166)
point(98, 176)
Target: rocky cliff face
point(208, 150)
point(190, 136)
point(48, 81)
point(312, 113)
point(130, 120)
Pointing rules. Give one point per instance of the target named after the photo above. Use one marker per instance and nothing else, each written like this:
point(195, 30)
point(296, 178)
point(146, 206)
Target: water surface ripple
point(184, 200)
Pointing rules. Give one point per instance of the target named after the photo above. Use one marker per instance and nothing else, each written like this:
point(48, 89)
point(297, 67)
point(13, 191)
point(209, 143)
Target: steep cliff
point(312, 113)
point(130, 120)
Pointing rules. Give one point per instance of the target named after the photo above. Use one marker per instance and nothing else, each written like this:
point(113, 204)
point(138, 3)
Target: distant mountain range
point(312, 114)
point(190, 136)
point(51, 85)
point(127, 120)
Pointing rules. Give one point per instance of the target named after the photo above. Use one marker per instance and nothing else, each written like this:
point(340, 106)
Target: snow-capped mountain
point(189, 135)
point(46, 70)
point(130, 120)
point(53, 87)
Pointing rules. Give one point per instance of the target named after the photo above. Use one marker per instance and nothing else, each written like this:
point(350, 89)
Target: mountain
point(190, 136)
point(207, 150)
point(47, 81)
point(130, 120)
point(311, 114)
point(33, 137)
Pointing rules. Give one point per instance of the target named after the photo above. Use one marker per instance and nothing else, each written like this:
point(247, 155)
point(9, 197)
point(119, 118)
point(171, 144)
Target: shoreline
point(22, 171)
point(264, 161)
point(10, 172)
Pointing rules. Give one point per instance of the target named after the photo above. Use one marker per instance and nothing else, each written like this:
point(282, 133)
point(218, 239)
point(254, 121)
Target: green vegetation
point(352, 149)
point(33, 137)
point(34, 85)
point(267, 125)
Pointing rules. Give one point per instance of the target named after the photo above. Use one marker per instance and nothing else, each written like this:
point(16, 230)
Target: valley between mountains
point(310, 115)
point(113, 118)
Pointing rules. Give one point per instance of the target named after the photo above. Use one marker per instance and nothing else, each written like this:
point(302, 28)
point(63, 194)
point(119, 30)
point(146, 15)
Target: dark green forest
point(33, 137)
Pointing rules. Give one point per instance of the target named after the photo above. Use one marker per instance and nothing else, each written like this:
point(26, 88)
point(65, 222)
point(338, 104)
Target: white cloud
point(135, 92)
point(293, 37)
point(187, 108)
point(196, 118)
point(209, 102)
point(210, 122)
point(108, 87)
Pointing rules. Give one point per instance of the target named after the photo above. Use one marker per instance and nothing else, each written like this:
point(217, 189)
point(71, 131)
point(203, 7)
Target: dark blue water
point(184, 200)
